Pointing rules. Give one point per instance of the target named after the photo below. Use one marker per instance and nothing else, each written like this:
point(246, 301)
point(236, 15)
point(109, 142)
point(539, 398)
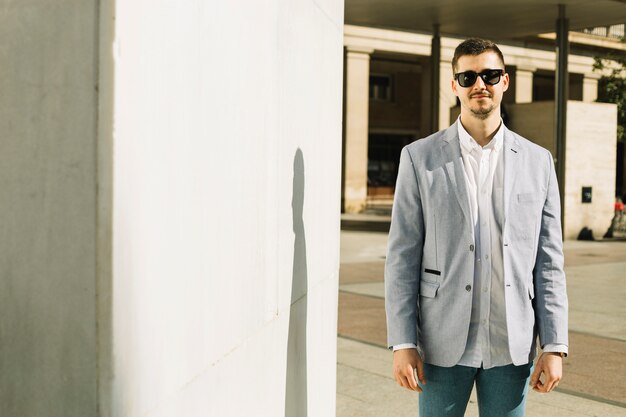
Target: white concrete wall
point(590, 157)
point(591, 161)
point(48, 82)
point(227, 125)
point(535, 121)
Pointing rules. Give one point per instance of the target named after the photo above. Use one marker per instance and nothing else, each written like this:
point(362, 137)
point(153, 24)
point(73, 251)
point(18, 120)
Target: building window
point(381, 87)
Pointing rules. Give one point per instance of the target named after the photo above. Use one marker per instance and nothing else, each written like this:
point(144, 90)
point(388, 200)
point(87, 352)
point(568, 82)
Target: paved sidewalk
point(594, 374)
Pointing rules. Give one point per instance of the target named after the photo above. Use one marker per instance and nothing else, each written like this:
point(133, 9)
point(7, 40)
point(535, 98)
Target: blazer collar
point(513, 152)
point(451, 154)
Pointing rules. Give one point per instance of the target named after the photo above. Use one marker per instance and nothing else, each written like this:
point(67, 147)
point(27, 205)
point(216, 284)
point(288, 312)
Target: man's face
point(480, 99)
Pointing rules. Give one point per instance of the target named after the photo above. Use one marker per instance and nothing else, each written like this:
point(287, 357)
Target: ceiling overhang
point(508, 19)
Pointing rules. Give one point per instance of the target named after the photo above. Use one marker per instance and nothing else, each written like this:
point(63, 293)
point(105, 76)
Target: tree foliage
point(612, 86)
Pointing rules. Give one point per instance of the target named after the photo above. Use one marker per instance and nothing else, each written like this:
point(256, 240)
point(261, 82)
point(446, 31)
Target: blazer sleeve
point(404, 255)
point(551, 306)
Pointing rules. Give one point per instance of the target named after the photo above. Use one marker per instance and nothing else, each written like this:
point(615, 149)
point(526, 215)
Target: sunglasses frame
point(485, 75)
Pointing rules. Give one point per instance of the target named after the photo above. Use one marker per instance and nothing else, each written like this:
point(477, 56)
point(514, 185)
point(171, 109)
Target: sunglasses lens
point(491, 77)
point(467, 78)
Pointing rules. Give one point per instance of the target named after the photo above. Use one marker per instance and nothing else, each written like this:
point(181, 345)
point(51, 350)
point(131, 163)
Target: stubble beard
point(482, 113)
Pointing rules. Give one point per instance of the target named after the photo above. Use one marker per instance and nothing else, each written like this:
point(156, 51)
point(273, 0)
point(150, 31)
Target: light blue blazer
point(429, 270)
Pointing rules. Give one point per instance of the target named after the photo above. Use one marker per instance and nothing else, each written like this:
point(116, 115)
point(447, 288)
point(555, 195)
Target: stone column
point(524, 84)
point(590, 87)
point(447, 99)
point(357, 112)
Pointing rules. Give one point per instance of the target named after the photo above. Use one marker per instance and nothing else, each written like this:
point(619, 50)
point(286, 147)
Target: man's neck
point(482, 130)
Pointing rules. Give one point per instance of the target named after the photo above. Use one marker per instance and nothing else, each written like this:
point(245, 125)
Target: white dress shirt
point(487, 342)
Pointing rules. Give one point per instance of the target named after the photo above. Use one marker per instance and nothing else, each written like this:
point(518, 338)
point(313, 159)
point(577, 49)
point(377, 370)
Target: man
point(474, 269)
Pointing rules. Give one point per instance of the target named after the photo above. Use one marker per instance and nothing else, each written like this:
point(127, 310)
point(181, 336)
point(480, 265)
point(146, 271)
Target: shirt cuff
point(553, 347)
point(404, 346)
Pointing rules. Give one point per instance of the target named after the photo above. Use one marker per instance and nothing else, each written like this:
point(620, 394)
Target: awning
point(506, 19)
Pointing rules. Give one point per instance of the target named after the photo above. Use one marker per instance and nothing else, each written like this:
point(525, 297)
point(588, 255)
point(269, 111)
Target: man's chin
point(482, 113)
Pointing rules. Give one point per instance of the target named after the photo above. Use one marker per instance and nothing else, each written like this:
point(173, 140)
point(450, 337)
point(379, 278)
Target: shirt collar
point(468, 144)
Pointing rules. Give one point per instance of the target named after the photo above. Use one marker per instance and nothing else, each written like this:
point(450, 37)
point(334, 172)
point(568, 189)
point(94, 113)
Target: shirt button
point(471, 248)
point(486, 256)
point(468, 287)
point(484, 321)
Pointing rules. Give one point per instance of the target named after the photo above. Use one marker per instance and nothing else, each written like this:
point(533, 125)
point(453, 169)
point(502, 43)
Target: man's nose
point(480, 84)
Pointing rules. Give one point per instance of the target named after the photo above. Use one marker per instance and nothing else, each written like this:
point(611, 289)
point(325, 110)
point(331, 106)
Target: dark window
point(383, 158)
point(381, 87)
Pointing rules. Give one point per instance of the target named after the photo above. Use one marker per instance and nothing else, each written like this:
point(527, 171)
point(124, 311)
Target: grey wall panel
point(47, 208)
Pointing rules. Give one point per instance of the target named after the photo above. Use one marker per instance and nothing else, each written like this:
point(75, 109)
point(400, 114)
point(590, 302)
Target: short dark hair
point(475, 46)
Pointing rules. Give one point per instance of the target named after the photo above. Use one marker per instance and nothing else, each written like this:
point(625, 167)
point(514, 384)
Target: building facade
point(387, 92)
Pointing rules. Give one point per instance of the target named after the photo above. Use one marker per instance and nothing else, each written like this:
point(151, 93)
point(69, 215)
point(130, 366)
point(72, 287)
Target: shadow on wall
point(296, 388)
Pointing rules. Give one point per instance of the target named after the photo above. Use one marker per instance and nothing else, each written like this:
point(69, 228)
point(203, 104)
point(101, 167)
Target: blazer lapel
point(451, 153)
point(512, 154)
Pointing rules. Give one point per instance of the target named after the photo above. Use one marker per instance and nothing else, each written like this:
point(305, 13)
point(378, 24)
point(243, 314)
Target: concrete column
point(447, 99)
point(561, 93)
point(524, 84)
point(435, 76)
point(590, 87)
point(357, 112)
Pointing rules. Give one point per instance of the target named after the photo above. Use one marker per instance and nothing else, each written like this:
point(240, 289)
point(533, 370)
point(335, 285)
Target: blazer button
point(471, 248)
point(468, 287)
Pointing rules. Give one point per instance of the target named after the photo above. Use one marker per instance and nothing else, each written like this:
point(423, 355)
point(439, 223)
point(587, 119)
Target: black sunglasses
point(468, 78)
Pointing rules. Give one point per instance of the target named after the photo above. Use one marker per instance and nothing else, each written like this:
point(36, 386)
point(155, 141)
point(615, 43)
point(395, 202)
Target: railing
point(613, 32)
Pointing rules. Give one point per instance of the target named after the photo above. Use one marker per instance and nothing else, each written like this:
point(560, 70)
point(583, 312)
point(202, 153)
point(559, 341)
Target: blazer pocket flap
point(531, 291)
point(527, 197)
point(428, 289)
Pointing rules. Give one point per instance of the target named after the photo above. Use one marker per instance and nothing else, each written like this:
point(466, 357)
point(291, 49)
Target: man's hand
point(551, 366)
point(404, 361)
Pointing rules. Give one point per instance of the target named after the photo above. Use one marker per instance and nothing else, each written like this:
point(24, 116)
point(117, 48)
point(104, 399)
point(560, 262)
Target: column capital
point(590, 87)
point(592, 75)
point(363, 50)
point(525, 68)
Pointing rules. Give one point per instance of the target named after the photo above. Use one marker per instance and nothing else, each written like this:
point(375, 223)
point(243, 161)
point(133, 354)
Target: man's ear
point(456, 93)
point(505, 82)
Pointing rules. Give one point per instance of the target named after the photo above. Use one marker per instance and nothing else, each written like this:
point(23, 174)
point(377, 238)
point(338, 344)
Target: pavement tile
point(350, 273)
point(596, 366)
point(362, 318)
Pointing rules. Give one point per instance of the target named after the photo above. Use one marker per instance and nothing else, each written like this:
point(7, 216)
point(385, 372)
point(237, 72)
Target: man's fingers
point(410, 377)
point(539, 387)
point(420, 372)
point(534, 379)
point(397, 377)
point(406, 383)
point(413, 381)
point(408, 368)
point(406, 379)
point(551, 382)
